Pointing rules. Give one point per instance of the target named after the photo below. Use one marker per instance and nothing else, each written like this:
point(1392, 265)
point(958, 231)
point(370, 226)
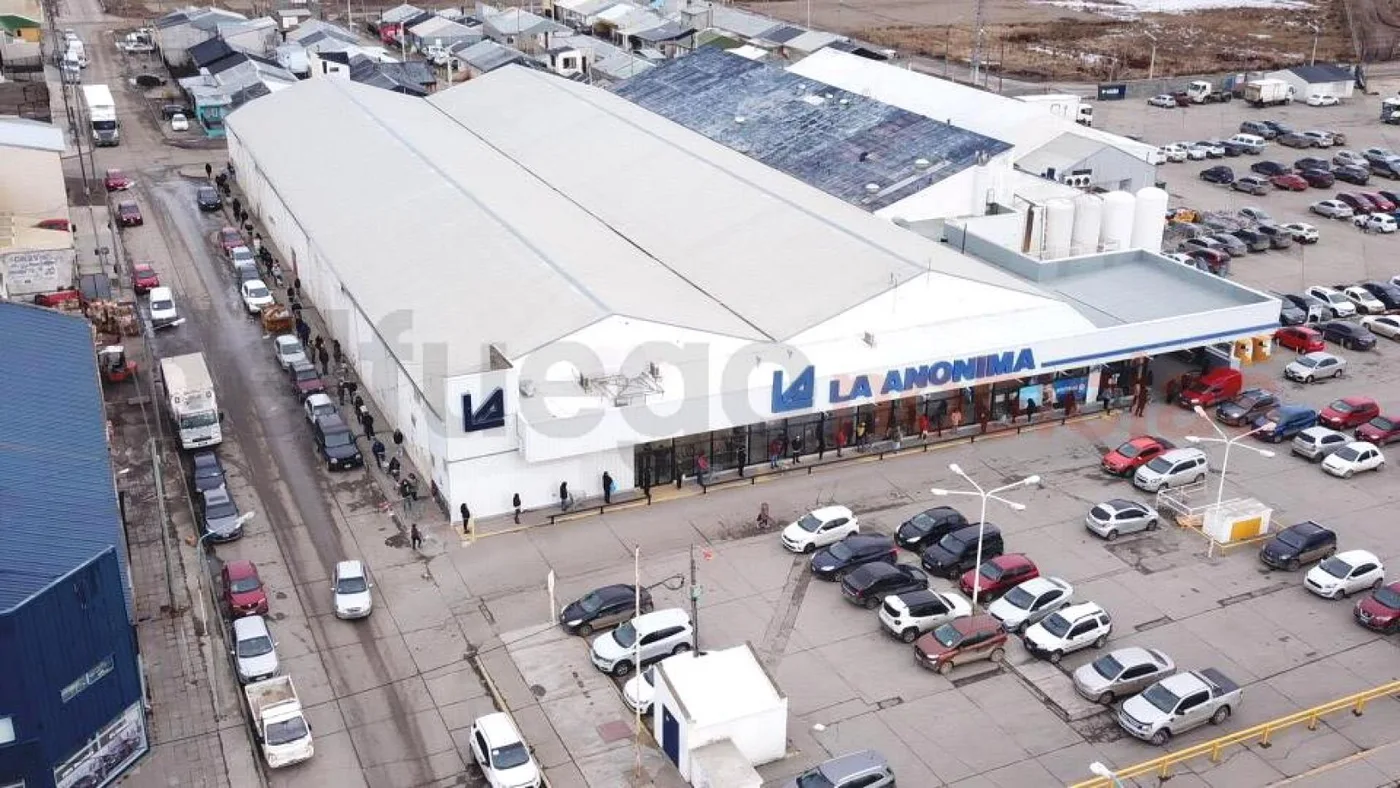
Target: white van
point(162, 305)
point(1252, 143)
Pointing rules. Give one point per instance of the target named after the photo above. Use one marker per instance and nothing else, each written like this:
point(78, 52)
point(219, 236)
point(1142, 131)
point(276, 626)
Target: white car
point(1315, 366)
point(162, 305)
point(241, 255)
point(1345, 574)
point(1351, 157)
point(1030, 602)
point(178, 122)
point(1316, 100)
point(819, 528)
point(659, 633)
point(1174, 153)
point(1302, 232)
point(1332, 209)
point(1382, 223)
point(255, 295)
point(1256, 214)
point(1069, 629)
point(907, 616)
point(1385, 326)
point(641, 688)
point(350, 590)
point(1164, 101)
point(1354, 458)
point(1194, 152)
point(1322, 139)
point(318, 405)
point(1362, 298)
point(1213, 148)
point(1341, 305)
point(288, 350)
point(254, 651)
point(501, 753)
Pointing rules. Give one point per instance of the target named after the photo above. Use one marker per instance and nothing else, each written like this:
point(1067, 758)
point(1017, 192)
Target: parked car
point(144, 277)
point(957, 552)
point(1301, 543)
point(1067, 630)
point(1381, 223)
point(1029, 602)
point(819, 528)
point(1173, 153)
point(928, 526)
point(1336, 301)
point(1251, 184)
point(1171, 469)
point(1350, 158)
point(1218, 174)
point(116, 181)
point(835, 560)
point(1353, 458)
point(1212, 260)
point(168, 111)
point(1118, 516)
point(1318, 179)
point(997, 575)
point(243, 589)
point(1379, 431)
point(640, 691)
point(501, 753)
point(1290, 315)
point(1365, 302)
point(1179, 703)
point(1389, 168)
point(961, 641)
point(179, 123)
point(206, 472)
point(864, 769)
point(1313, 367)
point(1283, 422)
point(1268, 168)
point(1359, 206)
point(1378, 202)
point(1376, 154)
point(304, 379)
point(1289, 182)
point(229, 239)
point(603, 607)
point(287, 350)
point(1380, 611)
point(254, 651)
point(1316, 309)
point(1213, 148)
point(868, 585)
point(1191, 245)
point(350, 590)
point(1163, 100)
point(1299, 339)
point(1384, 292)
point(255, 295)
point(1134, 453)
point(1352, 336)
point(1315, 443)
point(336, 443)
point(1386, 326)
point(1354, 175)
point(208, 199)
point(1321, 139)
point(1303, 232)
point(1246, 405)
point(1255, 214)
point(911, 614)
point(1122, 673)
point(1348, 413)
point(318, 405)
point(1233, 246)
point(1332, 209)
point(1311, 163)
point(1319, 100)
point(1296, 139)
point(1194, 152)
point(649, 637)
point(1210, 389)
point(219, 519)
point(1345, 573)
point(129, 214)
point(1258, 128)
point(1253, 240)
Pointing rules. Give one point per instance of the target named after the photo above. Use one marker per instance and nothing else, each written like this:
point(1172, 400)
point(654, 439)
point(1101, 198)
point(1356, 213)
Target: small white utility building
point(1323, 79)
point(722, 696)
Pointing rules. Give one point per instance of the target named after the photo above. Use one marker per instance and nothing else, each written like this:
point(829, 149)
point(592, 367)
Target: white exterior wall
point(963, 194)
point(761, 737)
point(321, 68)
point(1301, 89)
point(31, 185)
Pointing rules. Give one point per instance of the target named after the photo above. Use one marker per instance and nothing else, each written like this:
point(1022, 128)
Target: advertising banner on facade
point(36, 271)
point(107, 754)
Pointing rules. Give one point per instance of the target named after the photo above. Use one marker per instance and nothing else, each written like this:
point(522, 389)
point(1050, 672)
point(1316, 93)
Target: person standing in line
point(325, 359)
point(398, 442)
point(208, 170)
point(466, 519)
point(564, 496)
point(743, 456)
point(840, 439)
point(607, 487)
point(1069, 400)
point(378, 450)
point(775, 450)
point(515, 503)
point(237, 206)
point(797, 449)
point(1173, 387)
point(336, 352)
point(860, 434)
point(368, 422)
point(296, 285)
point(393, 467)
point(702, 468)
point(340, 389)
point(403, 494)
point(1030, 410)
point(415, 538)
point(1140, 404)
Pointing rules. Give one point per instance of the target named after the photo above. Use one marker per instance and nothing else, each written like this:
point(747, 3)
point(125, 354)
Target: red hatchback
point(1379, 431)
point(999, 575)
point(1348, 412)
point(143, 277)
point(1290, 182)
point(116, 181)
point(1136, 452)
point(1300, 339)
point(243, 590)
point(1381, 204)
point(230, 239)
point(1381, 610)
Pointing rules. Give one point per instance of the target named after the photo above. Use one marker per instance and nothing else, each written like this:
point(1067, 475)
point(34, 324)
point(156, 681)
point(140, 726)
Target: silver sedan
point(1118, 516)
point(1121, 673)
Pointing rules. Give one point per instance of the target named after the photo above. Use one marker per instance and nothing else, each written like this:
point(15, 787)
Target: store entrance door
point(655, 464)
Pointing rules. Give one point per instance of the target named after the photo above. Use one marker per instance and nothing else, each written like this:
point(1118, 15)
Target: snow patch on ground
point(1130, 9)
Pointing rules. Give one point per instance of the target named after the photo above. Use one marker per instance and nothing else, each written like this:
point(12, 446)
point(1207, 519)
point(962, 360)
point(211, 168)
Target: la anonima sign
point(800, 393)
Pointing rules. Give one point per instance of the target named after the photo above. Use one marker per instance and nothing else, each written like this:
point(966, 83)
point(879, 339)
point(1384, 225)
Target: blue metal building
point(71, 710)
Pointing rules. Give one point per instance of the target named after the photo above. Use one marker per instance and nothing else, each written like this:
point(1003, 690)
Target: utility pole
point(1312, 61)
point(977, 42)
point(694, 598)
point(1152, 60)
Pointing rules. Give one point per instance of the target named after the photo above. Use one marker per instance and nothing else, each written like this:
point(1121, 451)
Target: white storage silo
point(1088, 220)
point(1117, 229)
point(1150, 218)
point(1059, 227)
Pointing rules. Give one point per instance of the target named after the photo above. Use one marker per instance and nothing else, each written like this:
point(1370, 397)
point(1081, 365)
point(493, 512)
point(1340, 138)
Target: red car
point(1138, 451)
point(1355, 202)
point(129, 214)
point(55, 224)
point(116, 181)
point(1215, 260)
point(243, 590)
point(1379, 431)
point(143, 277)
point(230, 239)
point(1348, 412)
point(1290, 182)
point(962, 640)
point(999, 575)
point(305, 381)
point(1381, 204)
point(1381, 610)
point(1300, 339)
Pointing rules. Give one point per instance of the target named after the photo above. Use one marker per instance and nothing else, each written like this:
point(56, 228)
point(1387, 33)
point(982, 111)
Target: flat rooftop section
point(840, 142)
point(721, 685)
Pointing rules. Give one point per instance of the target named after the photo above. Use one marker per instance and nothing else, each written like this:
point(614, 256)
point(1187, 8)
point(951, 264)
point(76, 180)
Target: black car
point(1289, 314)
point(1298, 544)
point(927, 527)
point(219, 519)
point(1353, 336)
point(208, 199)
point(206, 472)
point(603, 607)
point(1352, 174)
point(1218, 174)
point(1232, 149)
point(1308, 304)
point(1245, 406)
point(336, 443)
point(870, 584)
point(1280, 128)
point(835, 560)
point(1254, 240)
point(1318, 179)
point(1311, 163)
point(1389, 168)
point(1269, 168)
point(1385, 292)
point(169, 111)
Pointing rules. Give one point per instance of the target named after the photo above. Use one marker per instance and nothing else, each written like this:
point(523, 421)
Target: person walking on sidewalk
point(515, 503)
point(466, 519)
point(403, 494)
point(237, 206)
point(336, 352)
point(378, 451)
point(341, 387)
point(296, 285)
point(607, 487)
point(1140, 400)
point(325, 359)
point(208, 170)
point(743, 456)
point(797, 449)
point(394, 465)
point(414, 537)
point(368, 422)
point(398, 442)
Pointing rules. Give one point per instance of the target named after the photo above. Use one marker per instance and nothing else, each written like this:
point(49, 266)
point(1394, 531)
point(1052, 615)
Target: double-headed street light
point(1229, 442)
point(985, 495)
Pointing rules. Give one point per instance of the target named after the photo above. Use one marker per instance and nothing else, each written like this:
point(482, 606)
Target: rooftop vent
point(739, 119)
point(922, 164)
point(868, 338)
point(872, 188)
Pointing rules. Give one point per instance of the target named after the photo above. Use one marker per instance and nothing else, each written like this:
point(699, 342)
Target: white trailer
point(1067, 106)
point(194, 407)
point(1268, 92)
point(276, 716)
point(102, 115)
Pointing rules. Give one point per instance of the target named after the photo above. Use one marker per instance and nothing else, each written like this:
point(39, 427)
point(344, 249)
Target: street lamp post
point(1151, 60)
point(1229, 443)
point(985, 495)
point(1099, 770)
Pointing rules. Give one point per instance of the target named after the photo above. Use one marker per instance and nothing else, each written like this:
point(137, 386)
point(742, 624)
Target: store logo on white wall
point(490, 415)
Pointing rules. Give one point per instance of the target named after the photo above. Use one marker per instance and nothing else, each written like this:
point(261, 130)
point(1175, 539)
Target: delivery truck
point(276, 715)
point(102, 115)
point(194, 407)
point(1267, 92)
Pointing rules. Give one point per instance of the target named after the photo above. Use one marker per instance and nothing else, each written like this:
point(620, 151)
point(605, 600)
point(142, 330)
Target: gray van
point(956, 552)
point(1259, 128)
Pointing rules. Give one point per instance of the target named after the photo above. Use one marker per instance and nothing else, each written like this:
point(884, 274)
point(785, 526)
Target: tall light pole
point(977, 42)
point(1229, 443)
point(1152, 59)
point(1099, 770)
point(985, 495)
point(1317, 31)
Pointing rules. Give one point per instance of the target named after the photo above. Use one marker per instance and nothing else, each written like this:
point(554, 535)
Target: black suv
point(1298, 544)
point(835, 560)
point(1349, 335)
point(1385, 292)
point(870, 584)
point(1218, 174)
point(336, 443)
point(1311, 163)
point(928, 526)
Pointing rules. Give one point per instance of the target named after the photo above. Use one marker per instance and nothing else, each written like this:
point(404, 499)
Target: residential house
point(22, 19)
point(256, 36)
point(579, 14)
point(335, 65)
point(33, 259)
point(520, 29)
point(436, 35)
point(206, 53)
point(391, 21)
point(178, 31)
point(567, 60)
point(293, 57)
point(413, 79)
point(487, 56)
point(609, 64)
point(291, 16)
point(228, 83)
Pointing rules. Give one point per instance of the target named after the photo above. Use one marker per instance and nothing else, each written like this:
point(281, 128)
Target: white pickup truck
point(1178, 703)
point(275, 713)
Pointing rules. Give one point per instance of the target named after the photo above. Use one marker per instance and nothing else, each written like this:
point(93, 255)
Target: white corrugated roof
point(31, 134)
point(1024, 125)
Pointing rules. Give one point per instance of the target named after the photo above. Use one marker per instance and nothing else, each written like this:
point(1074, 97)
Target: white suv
point(819, 528)
point(254, 651)
point(1340, 305)
point(1171, 469)
point(906, 616)
point(647, 638)
point(1067, 630)
point(501, 753)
